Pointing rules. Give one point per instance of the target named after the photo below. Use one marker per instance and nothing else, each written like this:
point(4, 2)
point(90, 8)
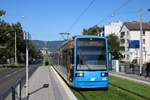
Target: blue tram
point(83, 60)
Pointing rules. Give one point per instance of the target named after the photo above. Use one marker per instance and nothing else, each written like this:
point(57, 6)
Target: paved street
point(9, 77)
point(56, 89)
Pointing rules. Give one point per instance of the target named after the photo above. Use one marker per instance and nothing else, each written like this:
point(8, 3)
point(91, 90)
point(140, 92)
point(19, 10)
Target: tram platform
point(134, 77)
point(55, 90)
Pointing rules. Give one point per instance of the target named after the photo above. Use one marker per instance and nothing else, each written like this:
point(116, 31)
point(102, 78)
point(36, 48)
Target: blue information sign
point(134, 43)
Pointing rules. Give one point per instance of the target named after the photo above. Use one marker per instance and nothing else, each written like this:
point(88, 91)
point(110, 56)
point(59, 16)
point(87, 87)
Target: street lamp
point(16, 44)
point(27, 61)
point(15, 49)
point(65, 34)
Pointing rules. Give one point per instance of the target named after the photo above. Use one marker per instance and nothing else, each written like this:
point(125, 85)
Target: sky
point(45, 19)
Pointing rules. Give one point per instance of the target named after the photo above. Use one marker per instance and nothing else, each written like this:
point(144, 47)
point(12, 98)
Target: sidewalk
point(55, 91)
point(134, 77)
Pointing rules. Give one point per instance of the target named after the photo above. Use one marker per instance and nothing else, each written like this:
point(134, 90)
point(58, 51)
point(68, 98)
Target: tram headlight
point(79, 75)
point(104, 74)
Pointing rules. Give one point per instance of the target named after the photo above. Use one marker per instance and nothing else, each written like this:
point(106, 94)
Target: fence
point(14, 92)
point(132, 70)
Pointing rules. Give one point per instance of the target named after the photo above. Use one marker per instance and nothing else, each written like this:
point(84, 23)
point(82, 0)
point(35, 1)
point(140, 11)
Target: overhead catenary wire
point(104, 19)
point(81, 14)
point(115, 11)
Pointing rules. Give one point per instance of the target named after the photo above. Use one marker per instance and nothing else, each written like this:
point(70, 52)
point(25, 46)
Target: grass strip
point(115, 93)
point(111, 94)
point(133, 86)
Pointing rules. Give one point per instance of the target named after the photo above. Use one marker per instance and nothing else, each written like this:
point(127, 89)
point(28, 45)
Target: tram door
point(70, 65)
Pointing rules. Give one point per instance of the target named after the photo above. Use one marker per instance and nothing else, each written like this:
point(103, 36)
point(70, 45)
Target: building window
point(122, 48)
point(143, 41)
point(122, 34)
point(122, 41)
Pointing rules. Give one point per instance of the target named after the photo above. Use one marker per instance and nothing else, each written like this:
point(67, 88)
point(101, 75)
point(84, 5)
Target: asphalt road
point(9, 77)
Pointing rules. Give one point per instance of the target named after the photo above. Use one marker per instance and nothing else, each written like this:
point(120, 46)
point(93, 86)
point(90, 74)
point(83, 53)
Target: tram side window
point(64, 58)
point(61, 59)
point(72, 56)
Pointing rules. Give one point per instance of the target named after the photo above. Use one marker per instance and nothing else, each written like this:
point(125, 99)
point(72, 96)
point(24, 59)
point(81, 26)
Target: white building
point(130, 39)
point(45, 51)
point(113, 27)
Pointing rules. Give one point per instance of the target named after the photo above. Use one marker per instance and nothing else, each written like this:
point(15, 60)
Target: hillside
point(52, 45)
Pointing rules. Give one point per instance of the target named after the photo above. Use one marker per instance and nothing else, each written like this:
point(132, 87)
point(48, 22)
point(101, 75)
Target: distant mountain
point(52, 45)
point(40, 44)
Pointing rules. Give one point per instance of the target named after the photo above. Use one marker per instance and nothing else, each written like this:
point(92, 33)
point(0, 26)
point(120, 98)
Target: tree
point(33, 51)
point(2, 12)
point(7, 39)
point(95, 30)
point(114, 46)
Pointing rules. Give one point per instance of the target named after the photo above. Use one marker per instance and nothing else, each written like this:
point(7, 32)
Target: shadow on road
point(44, 86)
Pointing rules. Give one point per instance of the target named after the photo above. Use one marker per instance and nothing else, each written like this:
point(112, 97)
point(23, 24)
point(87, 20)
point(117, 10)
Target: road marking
point(66, 88)
point(20, 69)
point(7, 75)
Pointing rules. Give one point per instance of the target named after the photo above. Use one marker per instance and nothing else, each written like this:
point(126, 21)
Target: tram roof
point(81, 36)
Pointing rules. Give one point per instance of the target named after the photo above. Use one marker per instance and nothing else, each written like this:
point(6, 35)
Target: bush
point(46, 63)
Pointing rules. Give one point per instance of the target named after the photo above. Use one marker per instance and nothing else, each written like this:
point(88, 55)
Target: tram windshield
point(91, 54)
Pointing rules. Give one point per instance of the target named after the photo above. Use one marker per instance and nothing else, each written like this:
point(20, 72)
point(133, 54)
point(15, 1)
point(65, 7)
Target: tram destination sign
point(91, 43)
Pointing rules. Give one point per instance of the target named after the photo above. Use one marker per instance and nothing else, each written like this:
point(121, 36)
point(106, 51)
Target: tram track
point(130, 92)
point(84, 97)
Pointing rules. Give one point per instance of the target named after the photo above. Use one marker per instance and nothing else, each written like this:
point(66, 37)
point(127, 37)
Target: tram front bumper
point(91, 84)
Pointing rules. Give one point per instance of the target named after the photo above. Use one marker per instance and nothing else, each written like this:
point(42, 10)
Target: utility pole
point(65, 34)
point(27, 64)
point(15, 49)
point(141, 47)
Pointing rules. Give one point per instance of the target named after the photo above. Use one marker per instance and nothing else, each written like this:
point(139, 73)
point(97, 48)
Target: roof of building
point(136, 25)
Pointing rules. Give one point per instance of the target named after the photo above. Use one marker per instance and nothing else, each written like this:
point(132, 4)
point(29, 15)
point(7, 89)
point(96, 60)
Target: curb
point(132, 79)
point(66, 88)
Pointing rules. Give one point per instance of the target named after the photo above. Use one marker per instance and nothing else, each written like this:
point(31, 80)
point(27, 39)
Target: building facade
point(113, 27)
point(130, 41)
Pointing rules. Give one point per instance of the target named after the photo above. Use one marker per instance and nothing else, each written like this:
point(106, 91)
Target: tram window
point(64, 58)
point(61, 59)
point(91, 54)
point(72, 56)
